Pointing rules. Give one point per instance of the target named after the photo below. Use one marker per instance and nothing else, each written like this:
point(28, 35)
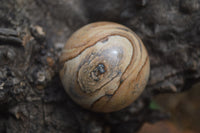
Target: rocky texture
point(32, 98)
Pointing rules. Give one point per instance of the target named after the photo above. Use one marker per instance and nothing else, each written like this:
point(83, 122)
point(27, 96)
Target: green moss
point(153, 105)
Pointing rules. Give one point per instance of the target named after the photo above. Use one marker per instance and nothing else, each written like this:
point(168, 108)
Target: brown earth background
point(33, 33)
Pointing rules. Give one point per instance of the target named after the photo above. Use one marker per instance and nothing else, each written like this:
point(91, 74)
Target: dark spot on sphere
point(99, 70)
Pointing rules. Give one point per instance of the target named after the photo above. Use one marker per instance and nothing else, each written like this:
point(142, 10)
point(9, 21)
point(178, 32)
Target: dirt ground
point(33, 33)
